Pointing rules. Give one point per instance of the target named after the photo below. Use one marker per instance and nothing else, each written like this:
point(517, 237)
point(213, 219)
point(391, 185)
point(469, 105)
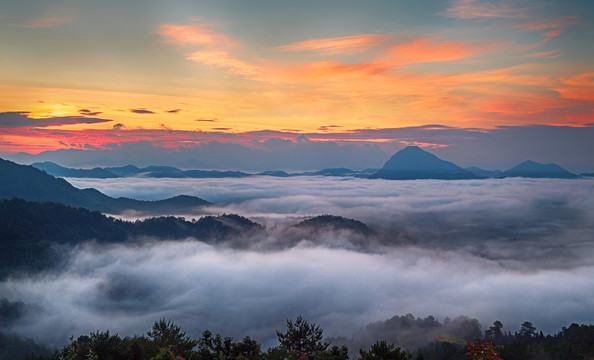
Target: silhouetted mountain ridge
point(333, 222)
point(29, 231)
point(60, 171)
point(413, 163)
point(532, 169)
point(30, 183)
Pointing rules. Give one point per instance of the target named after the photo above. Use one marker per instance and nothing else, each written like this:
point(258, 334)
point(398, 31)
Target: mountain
point(413, 162)
point(128, 170)
point(29, 231)
point(275, 173)
point(482, 172)
point(60, 171)
point(335, 172)
point(330, 231)
point(587, 174)
point(335, 223)
point(531, 169)
point(29, 183)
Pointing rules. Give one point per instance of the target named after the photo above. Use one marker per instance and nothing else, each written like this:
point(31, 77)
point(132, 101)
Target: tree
point(527, 331)
point(482, 350)
point(382, 351)
point(495, 334)
point(303, 338)
point(165, 334)
point(248, 349)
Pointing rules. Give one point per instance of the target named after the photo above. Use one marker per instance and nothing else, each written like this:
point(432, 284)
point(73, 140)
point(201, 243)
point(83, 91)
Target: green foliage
point(300, 341)
point(382, 351)
point(166, 353)
point(302, 338)
point(165, 334)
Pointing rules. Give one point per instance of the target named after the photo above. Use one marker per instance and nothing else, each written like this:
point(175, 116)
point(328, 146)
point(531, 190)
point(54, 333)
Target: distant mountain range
point(413, 162)
point(29, 183)
point(409, 163)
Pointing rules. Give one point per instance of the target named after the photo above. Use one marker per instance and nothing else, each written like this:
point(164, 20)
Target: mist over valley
point(511, 249)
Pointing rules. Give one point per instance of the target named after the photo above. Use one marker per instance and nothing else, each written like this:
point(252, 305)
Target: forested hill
point(29, 183)
point(29, 231)
point(302, 340)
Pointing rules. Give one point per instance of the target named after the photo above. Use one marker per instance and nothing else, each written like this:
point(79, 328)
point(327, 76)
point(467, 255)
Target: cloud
point(141, 111)
point(328, 127)
point(578, 87)
point(174, 111)
point(560, 22)
point(214, 47)
point(478, 9)
point(434, 50)
point(194, 34)
point(488, 249)
point(338, 45)
point(118, 126)
point(22, 119)
point(221, 59)
point(547, 54)
point(88, 112)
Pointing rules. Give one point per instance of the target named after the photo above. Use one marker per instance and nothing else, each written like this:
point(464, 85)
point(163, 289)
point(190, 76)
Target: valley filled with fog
point(500, 249)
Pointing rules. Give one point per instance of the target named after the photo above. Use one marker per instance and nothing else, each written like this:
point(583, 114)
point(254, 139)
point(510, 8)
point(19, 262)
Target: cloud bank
point(488, 249)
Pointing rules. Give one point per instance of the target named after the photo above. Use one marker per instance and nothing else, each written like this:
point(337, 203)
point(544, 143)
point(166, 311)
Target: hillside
point(30, 231)
point(27, 182)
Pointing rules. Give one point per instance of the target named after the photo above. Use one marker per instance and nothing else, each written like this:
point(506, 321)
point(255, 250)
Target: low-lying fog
point(510, 250)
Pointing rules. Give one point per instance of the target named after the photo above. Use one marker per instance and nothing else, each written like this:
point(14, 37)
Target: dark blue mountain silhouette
point(413, 162)
point(29, 183)
point(482, 172)
point(60, 171)
point(531, 169)
point(128, 170)
point(276, 173)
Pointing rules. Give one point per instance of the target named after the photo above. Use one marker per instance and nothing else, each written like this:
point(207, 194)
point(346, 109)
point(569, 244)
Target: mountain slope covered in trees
point(29, 183)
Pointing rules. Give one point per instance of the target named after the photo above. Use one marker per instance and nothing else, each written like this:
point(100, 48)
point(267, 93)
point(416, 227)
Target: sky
point(181, 74)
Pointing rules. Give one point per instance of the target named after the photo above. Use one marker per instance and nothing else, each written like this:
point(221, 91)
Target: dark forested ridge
point(29, 183)
point(302, 340)
point(29, 231)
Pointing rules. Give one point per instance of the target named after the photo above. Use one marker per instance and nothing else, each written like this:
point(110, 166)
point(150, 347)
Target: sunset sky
point(91, 74)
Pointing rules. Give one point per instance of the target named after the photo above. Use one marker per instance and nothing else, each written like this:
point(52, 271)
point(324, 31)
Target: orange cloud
point(551, 34)
point(520, 104)
point(560, 22)
point(221, 59)
point(334, 69)
point(547, 54)
point(194, 34)
point(473, 9)
point(578, 87)
point(337, 45)
point(430, 50)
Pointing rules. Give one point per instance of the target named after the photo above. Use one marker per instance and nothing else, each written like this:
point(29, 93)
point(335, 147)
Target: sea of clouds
point(503, 249)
